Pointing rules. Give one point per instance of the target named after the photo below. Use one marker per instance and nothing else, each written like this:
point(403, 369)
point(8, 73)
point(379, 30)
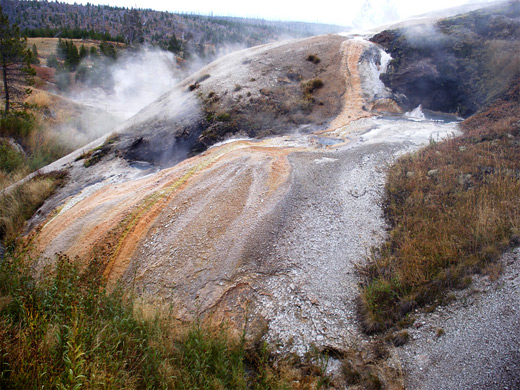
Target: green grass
point(68, 330)
point(447, 225)
point(17, 124)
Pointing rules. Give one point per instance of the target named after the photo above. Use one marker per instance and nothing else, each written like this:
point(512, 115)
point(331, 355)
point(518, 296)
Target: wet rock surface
point(445, 65)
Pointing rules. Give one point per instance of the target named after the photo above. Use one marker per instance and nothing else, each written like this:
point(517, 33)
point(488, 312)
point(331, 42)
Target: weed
point(67, 330)
point(95, 155)
point(223, 117)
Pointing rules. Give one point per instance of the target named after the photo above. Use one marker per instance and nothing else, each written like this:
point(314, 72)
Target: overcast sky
point(341, 12)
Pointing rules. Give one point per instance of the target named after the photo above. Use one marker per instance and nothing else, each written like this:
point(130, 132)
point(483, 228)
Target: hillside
point(194, 35)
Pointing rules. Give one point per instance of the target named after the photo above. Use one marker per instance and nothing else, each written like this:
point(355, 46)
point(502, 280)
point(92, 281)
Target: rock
point(433, 172)
point(464, 179)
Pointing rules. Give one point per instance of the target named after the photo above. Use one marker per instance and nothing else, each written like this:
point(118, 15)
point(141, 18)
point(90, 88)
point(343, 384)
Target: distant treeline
point(71, 33)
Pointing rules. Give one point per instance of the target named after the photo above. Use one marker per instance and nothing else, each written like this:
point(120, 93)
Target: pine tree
point(15, 61)
point(133, 29)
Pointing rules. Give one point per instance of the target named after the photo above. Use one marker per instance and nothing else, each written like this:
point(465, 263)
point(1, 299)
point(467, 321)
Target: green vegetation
point(95, 155)
point(71, 33)
point(26, 133)
point(15, 62)
point(453, 209)
point(10, 158)
point(67, 330)
point(68, 52)
point(17, 124)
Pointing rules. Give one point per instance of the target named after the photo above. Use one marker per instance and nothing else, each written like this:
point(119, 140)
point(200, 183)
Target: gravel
point(479, 344)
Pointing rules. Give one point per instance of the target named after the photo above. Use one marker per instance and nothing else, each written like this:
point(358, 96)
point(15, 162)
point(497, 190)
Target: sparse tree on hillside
point(15, 61)
point(174, 45)
point(34, 55)
point(83, 52)
point(133, 28)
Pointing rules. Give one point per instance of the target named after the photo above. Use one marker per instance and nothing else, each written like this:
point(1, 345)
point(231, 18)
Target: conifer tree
point(15, 61)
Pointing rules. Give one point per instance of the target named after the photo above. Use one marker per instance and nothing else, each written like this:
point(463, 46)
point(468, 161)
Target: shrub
point(17, 124)
point(313, 58)
point(310, 86)
point(10, 158)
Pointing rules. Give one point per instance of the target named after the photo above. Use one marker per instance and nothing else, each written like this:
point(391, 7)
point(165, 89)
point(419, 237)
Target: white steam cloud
point(139, 78)
point(375, 13)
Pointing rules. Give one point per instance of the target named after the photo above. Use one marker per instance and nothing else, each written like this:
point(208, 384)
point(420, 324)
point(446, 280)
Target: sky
point(340, 12)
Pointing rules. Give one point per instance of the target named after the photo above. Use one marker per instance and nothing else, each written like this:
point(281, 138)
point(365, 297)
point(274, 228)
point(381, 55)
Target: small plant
point(223, 117)
point(310, 86)
point(400, 338)
point(313, 58)
point(439, 332)
point(237, 88)
point(95, 155)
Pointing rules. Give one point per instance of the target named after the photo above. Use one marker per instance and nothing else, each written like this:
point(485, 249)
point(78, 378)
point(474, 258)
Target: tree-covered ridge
point(73, 21)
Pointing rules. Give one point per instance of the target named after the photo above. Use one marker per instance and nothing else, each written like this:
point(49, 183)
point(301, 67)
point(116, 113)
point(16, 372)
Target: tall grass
point(67, 331)
point(20, 203)
point(453, 208)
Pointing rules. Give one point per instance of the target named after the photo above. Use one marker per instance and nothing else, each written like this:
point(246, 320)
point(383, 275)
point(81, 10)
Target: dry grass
point(453, 207)
point(47, 46)
point(19, 204)
point(372, 367)
point(40, 98)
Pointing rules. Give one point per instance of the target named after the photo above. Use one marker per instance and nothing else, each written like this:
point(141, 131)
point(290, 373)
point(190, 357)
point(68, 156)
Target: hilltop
point(186, 34)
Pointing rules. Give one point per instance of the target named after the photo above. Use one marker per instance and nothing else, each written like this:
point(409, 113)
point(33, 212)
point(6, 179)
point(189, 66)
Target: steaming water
point(416, 114)
point(372, 65)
